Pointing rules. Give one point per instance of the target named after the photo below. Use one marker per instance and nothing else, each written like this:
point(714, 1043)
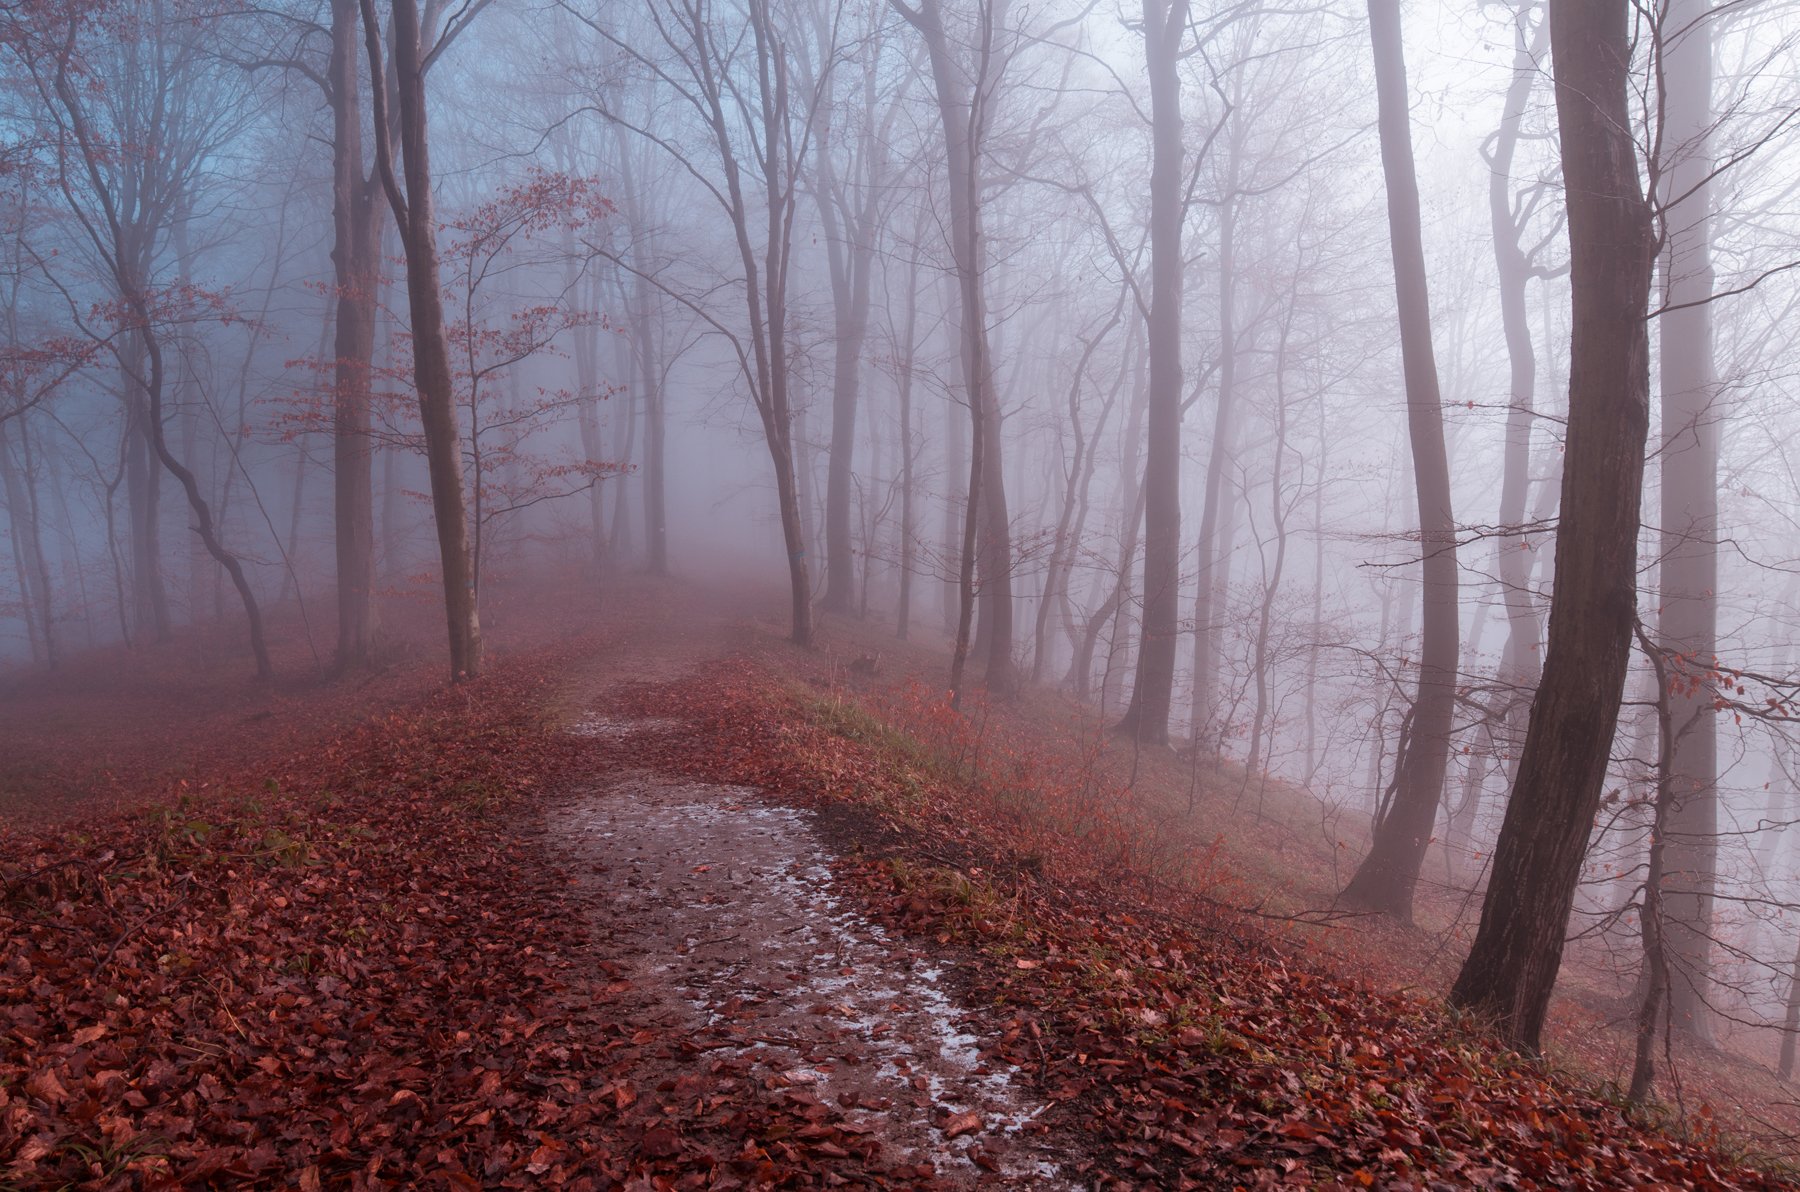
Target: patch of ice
point(817, 974)
point(607, 728)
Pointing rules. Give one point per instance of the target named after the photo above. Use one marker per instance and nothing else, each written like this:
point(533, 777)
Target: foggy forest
point(899, 593)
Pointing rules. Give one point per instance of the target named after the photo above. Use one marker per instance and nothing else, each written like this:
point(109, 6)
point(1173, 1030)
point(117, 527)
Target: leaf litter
point(412, 956)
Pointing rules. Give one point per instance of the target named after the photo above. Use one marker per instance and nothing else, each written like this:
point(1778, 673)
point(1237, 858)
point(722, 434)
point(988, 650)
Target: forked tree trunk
point(1388, 875)
point(1511, 968)
point(1073, 513)
point(204, 525)
point(850, 257)
point(431, 353)
point(961, 109)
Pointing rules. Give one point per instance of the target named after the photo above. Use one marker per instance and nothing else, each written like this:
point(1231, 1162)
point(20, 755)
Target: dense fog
point(757, 294)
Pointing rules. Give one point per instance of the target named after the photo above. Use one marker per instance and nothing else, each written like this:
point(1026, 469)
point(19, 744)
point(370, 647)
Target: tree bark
point(1688, 568)
point(19, 483)
point(1511, 968)
point(1520, 657)
point(850, 254)
point(431, 355)
point(1146, 718)
point(143, 498)
point(962, 110)
point(356, 261)
point(1388, 875)
point(1205, 733)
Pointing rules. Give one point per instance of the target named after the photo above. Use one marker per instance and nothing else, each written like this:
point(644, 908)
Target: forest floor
point(665, 903)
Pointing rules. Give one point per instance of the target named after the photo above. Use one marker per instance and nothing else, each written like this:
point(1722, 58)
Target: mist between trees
point(1394, 400)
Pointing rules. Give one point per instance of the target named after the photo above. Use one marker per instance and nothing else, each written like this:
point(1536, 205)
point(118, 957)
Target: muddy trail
point(760, 1019)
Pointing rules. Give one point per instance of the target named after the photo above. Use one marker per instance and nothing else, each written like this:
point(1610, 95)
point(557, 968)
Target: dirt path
point(740, 973)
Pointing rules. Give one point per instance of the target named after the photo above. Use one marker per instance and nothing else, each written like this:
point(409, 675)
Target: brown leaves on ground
point(353, 978)
point(372, 974)
point(1193, 1052)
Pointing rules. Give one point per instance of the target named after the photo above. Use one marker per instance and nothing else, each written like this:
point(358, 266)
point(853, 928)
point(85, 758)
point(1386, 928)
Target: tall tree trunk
point(956, 465)
point(143, 491)
point(18, 480)
point(1131, 517)
point(1315, 644)
point(962, 111)
point(904, 352)
point(1388, 875)
point(850, 259)
point(1205, 733)
point(1072, 516)
point(1653, 914)
point(1511, 968)
point(1521, 656)
point(1281, 508)
point(587, 400)
point(1790, 1027)
point(622, 547)
point(1146, 718)
point(203, 517)
point(356, 263)
point(431, 354)
point(1688, 566)
point(656, 506)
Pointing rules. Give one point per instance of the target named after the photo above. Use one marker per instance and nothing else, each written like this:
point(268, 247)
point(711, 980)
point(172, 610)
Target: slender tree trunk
point(909, 453)
point(1316, 643)
point(356, 261)
point(150, 599)
point(1206, 630)
point(1073, 513)
point(587, 403)
point(655, 470)
point(1790, 1031)
point(1146, 718)
point(203, 517)
point(1688, 566)
point(1652, 916)
point(1131, 516)
point(850, 258)
point(290, 580)
point(962, 111)
point(1388, 875)
point(623, 547)
point(1521, 656)
point(431, 356)
point(956, 465)
point(19, 482)
point(1280, 509)
point(1511, 968)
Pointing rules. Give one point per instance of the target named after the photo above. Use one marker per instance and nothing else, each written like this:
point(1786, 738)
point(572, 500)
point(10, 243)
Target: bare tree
point(1688, 566)
point(1147, 716)
point(1512, 965)
point(1388, 875)
point(737, 80)
point(965, 96)
point(163, 94)
point(413, 208)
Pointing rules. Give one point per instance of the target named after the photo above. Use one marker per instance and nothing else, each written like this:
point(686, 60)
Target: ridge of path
point(737, 971)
